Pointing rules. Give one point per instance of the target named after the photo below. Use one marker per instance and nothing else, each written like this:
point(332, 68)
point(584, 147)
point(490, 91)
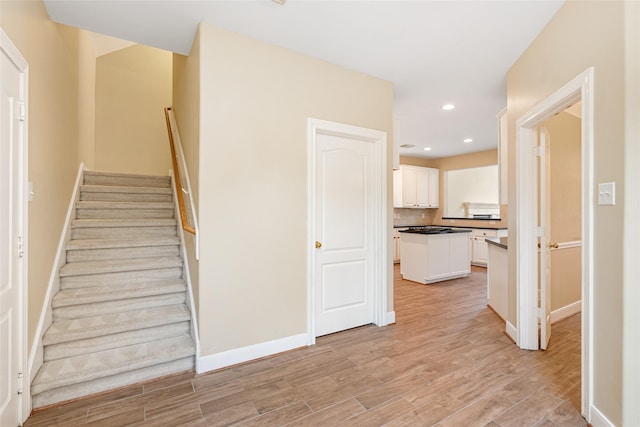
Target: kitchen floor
point(446, 362)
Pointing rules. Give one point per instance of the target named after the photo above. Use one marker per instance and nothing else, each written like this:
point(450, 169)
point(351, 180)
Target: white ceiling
point(434, 52)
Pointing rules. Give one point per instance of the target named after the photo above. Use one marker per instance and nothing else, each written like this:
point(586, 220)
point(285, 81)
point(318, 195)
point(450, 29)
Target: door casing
point(581, 88)
point(21, 198)
point(379, 240)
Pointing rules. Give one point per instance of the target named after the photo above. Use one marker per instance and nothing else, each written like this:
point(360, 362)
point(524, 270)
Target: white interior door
point(344, 230)
point(545, 238)
point(11, 202)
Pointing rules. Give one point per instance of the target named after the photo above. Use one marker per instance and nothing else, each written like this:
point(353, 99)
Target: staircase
point(120, 316)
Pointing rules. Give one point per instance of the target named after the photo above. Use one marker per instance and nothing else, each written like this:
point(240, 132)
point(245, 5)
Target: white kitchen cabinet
point(416, 187)
point(396, 244)
point(430, 258)
point(497, 279)
point(479, 247)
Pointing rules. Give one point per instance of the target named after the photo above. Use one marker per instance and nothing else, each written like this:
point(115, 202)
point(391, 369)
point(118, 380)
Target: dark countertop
point(451, 226)
point(435, 230)
point(500, 242)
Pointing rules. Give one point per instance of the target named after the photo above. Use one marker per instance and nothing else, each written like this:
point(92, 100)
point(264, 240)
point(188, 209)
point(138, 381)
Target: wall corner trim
point(598, 419)
point(245, 354)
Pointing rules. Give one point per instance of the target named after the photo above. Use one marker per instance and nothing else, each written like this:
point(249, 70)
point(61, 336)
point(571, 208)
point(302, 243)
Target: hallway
point(446, 362)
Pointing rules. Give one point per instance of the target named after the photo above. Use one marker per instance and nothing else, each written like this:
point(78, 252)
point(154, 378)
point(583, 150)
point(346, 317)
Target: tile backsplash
point(413, 216)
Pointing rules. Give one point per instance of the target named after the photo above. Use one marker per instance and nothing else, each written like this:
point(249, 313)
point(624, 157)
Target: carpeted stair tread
point(123, 205)
point(88, 388)
point(118, 265)
point(123, 253)
point(87, 367)
point(124, 189)
point(69, 297)
point(88, 244)
point(117, 306)
point(89, 327)
point(108, 342)
point(117, 278)
point(124, 223)
point(123, 179)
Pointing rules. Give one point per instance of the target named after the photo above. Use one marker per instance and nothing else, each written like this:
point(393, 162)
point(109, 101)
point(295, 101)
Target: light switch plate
point(607, 193)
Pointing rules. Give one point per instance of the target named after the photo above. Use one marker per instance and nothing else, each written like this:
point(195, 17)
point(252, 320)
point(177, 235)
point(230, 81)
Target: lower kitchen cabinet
point(478, 246)
point(429, 258)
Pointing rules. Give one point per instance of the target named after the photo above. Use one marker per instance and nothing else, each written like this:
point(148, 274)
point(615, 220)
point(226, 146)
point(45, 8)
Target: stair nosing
point(98, 294)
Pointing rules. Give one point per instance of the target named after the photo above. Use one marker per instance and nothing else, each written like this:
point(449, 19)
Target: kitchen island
point(434, 254)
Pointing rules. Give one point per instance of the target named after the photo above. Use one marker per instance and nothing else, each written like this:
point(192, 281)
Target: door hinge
point(20, 382)
point(21, 111)
point(20, 247)
point(539, 150)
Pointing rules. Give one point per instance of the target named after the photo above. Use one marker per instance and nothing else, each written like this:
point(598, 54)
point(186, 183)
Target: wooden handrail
point(183, 210)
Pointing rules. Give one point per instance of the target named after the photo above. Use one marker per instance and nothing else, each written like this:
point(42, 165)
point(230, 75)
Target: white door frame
point(22, 279)
point(379, 239)
point(580, 88)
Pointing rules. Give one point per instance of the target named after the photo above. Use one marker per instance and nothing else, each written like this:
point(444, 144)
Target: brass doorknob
point(553, 246)
point(318, 244)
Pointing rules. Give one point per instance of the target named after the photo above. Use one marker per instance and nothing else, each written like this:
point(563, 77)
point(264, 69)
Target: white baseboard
point(252, 352)
point(566, 311)
point(391, 317)
point(598, 419)
point(511, 331)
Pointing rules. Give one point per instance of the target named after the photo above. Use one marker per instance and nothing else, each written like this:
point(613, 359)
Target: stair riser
point(122, 253)
point(126, 181)
point(88, 388)
point(120, 306)
point(113, 279)
point(122, 232)
point(124, 213)
point(90, 196)
point(107, 342)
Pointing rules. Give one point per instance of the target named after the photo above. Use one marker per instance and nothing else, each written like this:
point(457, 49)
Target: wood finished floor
point(446, 362)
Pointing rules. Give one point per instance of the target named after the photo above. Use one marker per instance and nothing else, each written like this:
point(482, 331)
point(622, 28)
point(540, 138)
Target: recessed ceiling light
point(427, 149)
point(279, 1)
point(447, 107)
point(468, 140)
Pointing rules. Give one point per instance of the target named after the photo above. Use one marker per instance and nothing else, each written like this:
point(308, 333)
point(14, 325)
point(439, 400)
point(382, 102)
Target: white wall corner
point(598, 419)
point(391, 317)
point(512, 332)
point(245, 354)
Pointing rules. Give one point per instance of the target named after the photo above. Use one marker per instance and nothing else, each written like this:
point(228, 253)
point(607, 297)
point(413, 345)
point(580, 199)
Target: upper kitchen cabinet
point(416, 187)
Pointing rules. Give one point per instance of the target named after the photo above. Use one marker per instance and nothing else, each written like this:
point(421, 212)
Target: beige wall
point(86, 100)
point(581, 35)
point(565, 182)
point(255, 101)
point(52, 53)
point(186, 107)
point(133, 85)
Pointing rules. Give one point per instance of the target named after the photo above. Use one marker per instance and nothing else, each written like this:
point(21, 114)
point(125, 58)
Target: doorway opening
point(531, 309)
